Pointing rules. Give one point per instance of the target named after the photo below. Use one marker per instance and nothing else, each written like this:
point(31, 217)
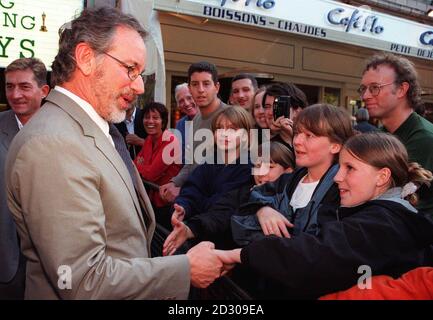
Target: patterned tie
point(119, 144)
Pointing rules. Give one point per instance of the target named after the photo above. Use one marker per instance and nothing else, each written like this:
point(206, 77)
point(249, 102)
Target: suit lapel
point(9, 128)
point(146, 204)
point(90, 129)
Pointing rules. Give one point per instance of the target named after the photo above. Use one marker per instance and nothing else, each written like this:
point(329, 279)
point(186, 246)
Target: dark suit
point(138, 130)
point(12, 264)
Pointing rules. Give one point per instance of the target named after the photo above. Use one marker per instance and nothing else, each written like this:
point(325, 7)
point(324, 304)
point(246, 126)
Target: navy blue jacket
point(364, 126)
point(208, 182)
point(214, 224)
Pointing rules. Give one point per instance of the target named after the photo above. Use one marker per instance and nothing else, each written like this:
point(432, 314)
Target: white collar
point(91, 112)
point(19, 123)
point(132, 117)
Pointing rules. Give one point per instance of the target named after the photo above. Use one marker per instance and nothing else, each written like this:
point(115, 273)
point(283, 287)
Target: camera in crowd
point(282, 107)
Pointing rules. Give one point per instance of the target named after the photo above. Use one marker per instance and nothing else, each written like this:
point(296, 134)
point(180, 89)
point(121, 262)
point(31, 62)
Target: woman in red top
point(158, 160)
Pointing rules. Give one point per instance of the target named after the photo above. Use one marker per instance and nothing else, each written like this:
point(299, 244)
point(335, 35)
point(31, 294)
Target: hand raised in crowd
point(205, 264)
point(179, 234)
point(134, 140)
point(273, 222)
point(169, 192)
point(176, 238)
point(178, 215)
point(282, 126)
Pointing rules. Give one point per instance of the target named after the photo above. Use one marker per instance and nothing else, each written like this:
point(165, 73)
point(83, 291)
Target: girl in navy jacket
point(229, 169)
point(214, 224)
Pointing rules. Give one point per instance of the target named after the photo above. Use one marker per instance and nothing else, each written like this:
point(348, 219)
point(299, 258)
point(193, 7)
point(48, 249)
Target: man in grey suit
point(84, 218)
point(26, 86)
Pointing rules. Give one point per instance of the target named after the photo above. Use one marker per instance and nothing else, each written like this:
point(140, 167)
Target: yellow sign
point(29, 28)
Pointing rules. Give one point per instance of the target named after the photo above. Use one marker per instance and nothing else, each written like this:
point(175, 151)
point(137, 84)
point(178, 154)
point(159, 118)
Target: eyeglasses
point(374, 88)
point(132, 70)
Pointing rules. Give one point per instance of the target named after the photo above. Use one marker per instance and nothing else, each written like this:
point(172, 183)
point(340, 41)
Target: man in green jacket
point(391, 92)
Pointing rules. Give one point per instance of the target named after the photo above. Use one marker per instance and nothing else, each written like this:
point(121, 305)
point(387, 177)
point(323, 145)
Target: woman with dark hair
point(282, 127)
point(153, 164)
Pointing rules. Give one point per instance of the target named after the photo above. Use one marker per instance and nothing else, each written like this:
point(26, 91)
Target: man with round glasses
point(391, 92)
point(133, 71)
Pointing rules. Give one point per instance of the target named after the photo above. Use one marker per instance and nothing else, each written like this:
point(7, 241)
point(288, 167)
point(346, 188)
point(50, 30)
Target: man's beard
point(116, 116)
point(111, 113)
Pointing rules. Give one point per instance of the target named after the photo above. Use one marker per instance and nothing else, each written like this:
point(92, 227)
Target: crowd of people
point(287, 205)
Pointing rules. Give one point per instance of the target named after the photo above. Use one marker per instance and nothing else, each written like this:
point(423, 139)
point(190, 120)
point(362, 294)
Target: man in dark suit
point(132, 130)
point(26, 86)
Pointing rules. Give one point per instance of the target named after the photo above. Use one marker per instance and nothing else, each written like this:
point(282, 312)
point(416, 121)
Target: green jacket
point(416, 133)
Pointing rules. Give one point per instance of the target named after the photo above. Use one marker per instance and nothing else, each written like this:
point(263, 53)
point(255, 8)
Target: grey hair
point(96, 27)
point(178, 88)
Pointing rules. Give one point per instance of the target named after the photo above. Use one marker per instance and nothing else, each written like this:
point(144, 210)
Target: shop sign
point(265, 4)
point(354, 21)
point(29, 28)
point(323, 19)
point(426, 38)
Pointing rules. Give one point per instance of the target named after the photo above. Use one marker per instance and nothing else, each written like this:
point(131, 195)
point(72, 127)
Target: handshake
point(207, 264)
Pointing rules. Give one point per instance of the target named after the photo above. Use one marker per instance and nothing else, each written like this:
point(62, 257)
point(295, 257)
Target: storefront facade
point(319, 45)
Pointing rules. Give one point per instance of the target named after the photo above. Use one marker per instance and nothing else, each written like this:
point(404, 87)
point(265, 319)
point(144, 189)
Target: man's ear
point(45, 90)
point(335, 148)
point(85, 58)
point(403, 89)
point(384, 177)
point(217, 86)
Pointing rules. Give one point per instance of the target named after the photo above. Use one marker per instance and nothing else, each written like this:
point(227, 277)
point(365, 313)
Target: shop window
point(353, 104)
point(332, 96)
point(175, 112)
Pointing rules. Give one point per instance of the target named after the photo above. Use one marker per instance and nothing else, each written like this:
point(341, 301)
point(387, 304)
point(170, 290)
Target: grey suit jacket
point(78, 214)
point(9, 248)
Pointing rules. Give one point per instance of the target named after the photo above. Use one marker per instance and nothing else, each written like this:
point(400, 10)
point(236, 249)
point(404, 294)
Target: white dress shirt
point(130, 123)
point(91, 112)
point(20, 125)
